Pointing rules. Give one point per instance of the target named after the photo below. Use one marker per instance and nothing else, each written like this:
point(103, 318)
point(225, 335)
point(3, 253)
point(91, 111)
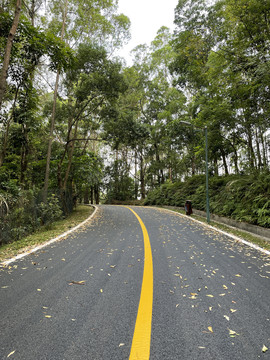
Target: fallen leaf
point(238, 275)
point(63, 259)
point(232, 333)
point(222, 294)
point(210, 329)
point(38, 289)
point(82, 282)
point(122, 344)
point(227, 317)
point(201, 347)
point(210, 295)
point(264, 349)
point(225, 287)
point(101, 290)
point(232, 310)
point(48, 316)
point(12, 352)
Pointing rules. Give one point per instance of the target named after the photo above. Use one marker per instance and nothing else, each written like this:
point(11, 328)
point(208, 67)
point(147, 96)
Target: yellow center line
point(140, 348)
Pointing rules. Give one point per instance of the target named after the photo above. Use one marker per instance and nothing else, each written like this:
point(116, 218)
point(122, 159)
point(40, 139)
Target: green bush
point(241, 197)
point(50, 211)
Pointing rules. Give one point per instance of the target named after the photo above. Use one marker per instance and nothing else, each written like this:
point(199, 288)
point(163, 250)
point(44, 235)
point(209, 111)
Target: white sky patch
point(147, 17)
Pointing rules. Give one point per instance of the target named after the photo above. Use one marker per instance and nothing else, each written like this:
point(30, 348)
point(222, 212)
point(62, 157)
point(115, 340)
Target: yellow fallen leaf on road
point(101, 290)
point(12, 352)
point(264, 349)
point(48, 316)
point(38, 289)
point(122, 344)
point(227, 317)
point(232, 310)
point(232, 333)
point(225, 287)
point(210, 296)
point(210, 329)
point(238, 275)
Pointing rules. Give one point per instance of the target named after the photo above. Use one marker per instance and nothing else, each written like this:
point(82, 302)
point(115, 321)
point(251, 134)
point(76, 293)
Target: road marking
point(140, 348)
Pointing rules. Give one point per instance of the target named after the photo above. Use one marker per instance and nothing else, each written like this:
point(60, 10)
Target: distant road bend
point(137, 283)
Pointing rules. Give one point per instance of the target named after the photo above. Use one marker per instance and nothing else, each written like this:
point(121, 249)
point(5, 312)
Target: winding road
point(137, 283)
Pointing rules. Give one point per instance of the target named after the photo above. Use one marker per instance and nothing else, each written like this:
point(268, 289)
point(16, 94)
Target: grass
point(242, 234)
point(44, 234)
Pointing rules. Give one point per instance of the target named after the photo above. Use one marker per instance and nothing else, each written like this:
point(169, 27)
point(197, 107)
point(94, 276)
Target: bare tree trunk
point(224, 162)
point(142, 176)
point(86, 196)
point(252, 158)
point(92, 195)
point(49, 151)
point(135, 178)
point(11, 35)
point(260, 164)
point(70, 155)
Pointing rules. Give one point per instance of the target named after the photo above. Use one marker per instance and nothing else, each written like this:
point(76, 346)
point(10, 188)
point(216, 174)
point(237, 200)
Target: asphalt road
point(79, 298)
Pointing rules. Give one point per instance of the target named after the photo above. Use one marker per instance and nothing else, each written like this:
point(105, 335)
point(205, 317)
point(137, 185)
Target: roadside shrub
point(50, 211)
point(241, 197)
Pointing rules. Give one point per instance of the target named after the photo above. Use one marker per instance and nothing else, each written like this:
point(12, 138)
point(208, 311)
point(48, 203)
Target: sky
point(146, 16)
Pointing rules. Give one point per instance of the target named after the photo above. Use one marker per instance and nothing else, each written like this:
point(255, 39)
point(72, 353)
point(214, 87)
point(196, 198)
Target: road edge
point(237, 238)
point(49, 242)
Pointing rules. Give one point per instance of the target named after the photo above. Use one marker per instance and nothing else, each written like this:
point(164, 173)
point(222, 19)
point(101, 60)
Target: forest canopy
point(77, 123)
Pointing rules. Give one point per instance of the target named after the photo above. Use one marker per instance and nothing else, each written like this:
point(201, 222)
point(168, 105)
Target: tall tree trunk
point(142, 181)
point(86, 195)
point(263, 148)
point(92, 195)
point(135, 178)
point(49, 151)
point(215, 165)
point(70, 156)
point(235, 159)
point(224, 162)
point(260, 164)
point(252, 158)
point(11, 35)
point(24, 154)
point(96, 190)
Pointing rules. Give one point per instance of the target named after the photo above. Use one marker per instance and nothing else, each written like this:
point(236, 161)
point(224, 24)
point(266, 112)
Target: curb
point(49, 242)
point(267, 252)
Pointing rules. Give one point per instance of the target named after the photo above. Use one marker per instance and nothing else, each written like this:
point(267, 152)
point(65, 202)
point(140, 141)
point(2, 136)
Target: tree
point(10, 38)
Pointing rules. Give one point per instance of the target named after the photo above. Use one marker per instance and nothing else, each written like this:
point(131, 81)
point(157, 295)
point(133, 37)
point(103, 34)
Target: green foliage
point(243, 198)
point(119, 185)
point(26, 213)
point(50, 211)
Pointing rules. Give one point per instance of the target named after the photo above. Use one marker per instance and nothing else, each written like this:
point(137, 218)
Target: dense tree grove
point(76, 123)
